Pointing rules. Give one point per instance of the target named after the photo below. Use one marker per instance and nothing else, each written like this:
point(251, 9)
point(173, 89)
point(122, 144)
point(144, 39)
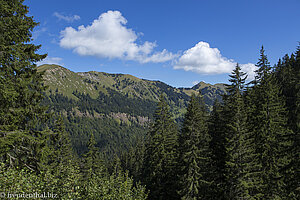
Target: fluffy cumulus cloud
point(203, 59)
point(108, 37)
point(66, 18)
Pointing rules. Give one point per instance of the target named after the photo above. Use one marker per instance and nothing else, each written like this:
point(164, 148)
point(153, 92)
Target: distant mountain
point(117, 108)
point(92, 83)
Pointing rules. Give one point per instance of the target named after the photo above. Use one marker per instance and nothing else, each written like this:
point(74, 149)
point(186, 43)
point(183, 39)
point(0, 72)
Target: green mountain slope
point(116, 108)
point(92, 83)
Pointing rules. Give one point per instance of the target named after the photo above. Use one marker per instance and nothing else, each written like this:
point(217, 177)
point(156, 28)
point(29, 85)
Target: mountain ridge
point(92, 82)
point(116, 108)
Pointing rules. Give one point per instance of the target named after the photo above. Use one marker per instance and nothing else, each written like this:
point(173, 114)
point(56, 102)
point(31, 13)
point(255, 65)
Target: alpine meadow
point(68, 131)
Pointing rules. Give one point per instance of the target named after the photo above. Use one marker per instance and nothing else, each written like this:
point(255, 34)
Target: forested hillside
point(116, 108)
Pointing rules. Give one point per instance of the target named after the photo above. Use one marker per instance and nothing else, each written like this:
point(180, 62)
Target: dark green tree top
point(269, 124)
point(240, 154)
point(21, 89)
point(237, 79)
point(263, 65)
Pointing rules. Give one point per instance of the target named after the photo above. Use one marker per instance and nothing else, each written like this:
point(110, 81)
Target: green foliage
point(22, 181)
point(287, 73)
point(87, 109)
point(97, 183)
point(110, 136)
point(24, 149)
point(160, 155)
point(133, 160)
point(61, 162)
point(21, 89)
point(115, 123)
point(115, 186)
point(92, 163)
point(195, 157)
point(272, 136)
point(240, 153)
point(216, 127)
point(114, 102)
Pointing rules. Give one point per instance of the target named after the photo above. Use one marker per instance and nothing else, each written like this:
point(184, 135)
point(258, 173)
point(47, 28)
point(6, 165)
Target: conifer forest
point(242, 145)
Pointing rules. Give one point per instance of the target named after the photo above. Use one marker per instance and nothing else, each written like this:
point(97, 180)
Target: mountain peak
point(201, 85)
point(45, 67)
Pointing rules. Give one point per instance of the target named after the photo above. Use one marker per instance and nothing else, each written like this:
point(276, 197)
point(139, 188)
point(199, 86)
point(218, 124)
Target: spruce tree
point(195, 157)
point(216, 127)
point(264, 68)
point(272, 136)
point(297, 88)
point(287, 74)
point(160, 155)
point(21, 89)
point(240, 154)
point(294, 185)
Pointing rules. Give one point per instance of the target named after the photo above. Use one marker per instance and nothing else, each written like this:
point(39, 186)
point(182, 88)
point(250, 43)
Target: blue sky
point(174, 41)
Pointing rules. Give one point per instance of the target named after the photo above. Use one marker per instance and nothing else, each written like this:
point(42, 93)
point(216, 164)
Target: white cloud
point(158, 57)
point(203, 59)
point(249, 69)
point(50, 60)
point(108, 37)
point(66, 18)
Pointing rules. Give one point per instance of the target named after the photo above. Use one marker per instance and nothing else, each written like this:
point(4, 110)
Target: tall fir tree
point(21, 89)
point(216, 127)
point(240, 153)
point(287, 73)
point(294, 189)
point(160, 155)
point(297, 88)
point(264, 68)
point(272, 136)
point(194, 152)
